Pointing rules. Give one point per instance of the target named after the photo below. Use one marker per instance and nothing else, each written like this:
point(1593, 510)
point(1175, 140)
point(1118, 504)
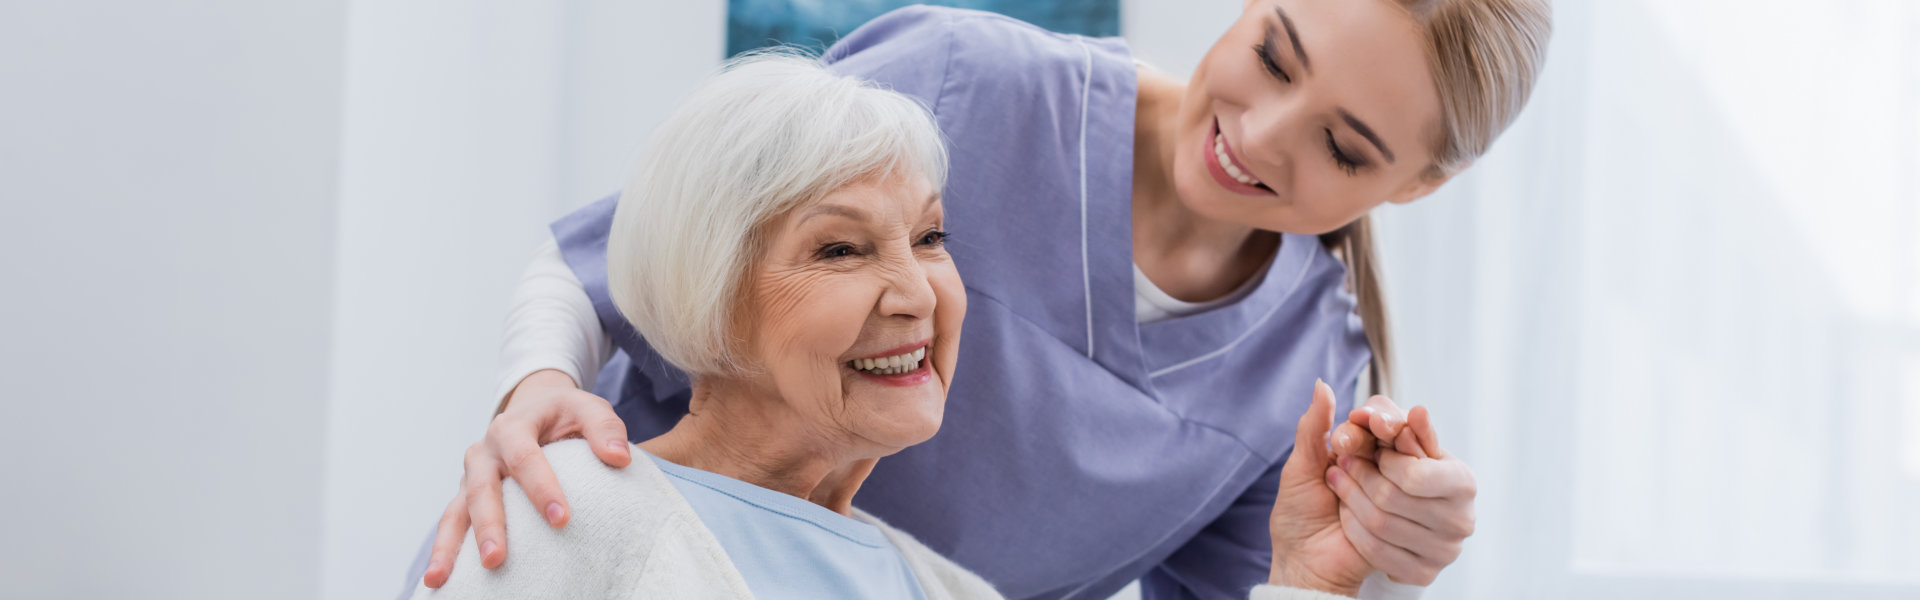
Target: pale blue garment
point(786, 547)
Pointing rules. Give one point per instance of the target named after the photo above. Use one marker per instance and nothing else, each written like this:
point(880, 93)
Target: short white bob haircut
point(772, 131)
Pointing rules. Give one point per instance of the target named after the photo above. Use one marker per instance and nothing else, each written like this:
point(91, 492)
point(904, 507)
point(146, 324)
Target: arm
point(551, 326)
point(554, 343)
point(1307, 550)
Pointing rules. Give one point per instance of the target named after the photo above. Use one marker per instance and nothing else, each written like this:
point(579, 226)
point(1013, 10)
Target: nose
point(908, 293)
point(1267, 130)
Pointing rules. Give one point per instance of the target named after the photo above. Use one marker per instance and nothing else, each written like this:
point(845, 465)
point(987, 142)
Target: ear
point(1424, 184)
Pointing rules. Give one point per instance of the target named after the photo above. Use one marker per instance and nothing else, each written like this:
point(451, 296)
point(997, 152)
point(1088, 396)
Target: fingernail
point(1343, 439)
point(553, 513)
point(616, 445)
point(1333, 476)
point(1344, 460)
point(486, 548)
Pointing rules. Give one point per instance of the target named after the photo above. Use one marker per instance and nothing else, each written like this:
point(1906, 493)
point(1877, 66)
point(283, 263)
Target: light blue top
point(786, 547)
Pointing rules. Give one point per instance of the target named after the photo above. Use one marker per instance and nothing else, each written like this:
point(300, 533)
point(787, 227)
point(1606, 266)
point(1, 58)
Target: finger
point(1427, 478)
point(604, 430)
point(527, 465)
point(1314, 425)
point(1390, 528)
point(1399, 564)
point(1385, 419)
point(446, 542)
point(484, 507)
point(1389, 497)
point(1354, 440)
point(1421, 421)
point(1407, 444)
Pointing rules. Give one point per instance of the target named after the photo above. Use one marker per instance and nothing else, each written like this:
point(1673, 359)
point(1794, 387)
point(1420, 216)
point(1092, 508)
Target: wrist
point(1283, 576)
point(547, 378)
point(544, 378)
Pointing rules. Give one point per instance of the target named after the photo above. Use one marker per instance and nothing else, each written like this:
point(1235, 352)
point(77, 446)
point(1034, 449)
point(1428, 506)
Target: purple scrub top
point(1080, 450)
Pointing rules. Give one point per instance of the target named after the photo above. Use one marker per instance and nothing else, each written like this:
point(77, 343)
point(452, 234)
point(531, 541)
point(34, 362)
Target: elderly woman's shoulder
point(619, 518)
point(606, 494)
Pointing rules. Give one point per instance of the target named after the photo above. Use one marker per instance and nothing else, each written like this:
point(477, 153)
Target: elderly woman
point(783, 243)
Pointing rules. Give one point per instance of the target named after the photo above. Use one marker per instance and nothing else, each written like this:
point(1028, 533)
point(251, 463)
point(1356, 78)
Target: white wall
point(468, 127)
point(167, 185)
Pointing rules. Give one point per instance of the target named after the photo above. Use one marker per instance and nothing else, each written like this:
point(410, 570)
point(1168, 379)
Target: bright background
point(258, 256)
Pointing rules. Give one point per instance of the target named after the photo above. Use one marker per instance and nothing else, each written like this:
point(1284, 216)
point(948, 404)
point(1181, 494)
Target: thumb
point(1309, 438)
point(605, 432)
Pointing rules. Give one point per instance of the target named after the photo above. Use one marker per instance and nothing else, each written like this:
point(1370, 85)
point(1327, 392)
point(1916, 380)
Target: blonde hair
point(1484, 56)
point(771, 132)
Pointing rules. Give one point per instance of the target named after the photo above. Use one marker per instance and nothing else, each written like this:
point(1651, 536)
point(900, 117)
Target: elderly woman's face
point(856, 313)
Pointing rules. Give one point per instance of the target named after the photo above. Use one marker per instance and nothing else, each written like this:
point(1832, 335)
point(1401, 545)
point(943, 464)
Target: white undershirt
point(1152, 304)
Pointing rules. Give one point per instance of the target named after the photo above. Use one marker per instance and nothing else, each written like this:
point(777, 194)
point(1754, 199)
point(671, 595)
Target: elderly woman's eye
point(933, 238)
point(836, 250)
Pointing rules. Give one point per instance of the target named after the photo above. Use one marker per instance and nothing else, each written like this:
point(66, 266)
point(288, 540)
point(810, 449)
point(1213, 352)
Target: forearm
point(551, 327)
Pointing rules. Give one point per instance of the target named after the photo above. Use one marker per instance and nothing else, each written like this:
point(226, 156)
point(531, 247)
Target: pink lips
point(1219, 172)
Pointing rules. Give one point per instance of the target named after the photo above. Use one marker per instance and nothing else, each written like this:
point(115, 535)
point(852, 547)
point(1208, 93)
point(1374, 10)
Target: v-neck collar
point(1182, 342)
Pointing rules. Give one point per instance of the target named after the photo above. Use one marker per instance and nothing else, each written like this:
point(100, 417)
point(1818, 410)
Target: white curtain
point(1673, 319)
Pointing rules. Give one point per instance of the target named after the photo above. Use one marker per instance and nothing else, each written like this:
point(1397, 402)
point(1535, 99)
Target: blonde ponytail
point(1485, 56)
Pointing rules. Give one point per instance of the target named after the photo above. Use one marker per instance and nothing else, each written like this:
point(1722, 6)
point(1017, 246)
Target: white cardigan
point(632, 535)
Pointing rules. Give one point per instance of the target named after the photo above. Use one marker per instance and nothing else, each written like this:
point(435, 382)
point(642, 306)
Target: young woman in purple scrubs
point(1157, 273)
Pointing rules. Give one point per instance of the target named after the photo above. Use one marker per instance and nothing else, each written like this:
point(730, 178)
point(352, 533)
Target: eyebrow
point(851, 212)
point(1366, 132)
point(833, 209)
point(1293, 36)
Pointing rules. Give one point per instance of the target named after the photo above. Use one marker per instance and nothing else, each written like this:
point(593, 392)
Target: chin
point(917, 428)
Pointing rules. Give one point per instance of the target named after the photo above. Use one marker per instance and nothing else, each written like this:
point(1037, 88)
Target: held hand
point(545, 407)
point(1310, 548)
point(1405, 503)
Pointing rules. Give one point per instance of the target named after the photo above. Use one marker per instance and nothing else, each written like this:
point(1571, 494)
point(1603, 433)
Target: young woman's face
point(1307, 114)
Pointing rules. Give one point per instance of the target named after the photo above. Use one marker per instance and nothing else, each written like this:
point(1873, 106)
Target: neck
point(759, 440)
point(1188, 255)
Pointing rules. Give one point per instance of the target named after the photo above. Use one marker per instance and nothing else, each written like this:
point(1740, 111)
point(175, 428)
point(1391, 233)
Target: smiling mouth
point(1229, 170)
point(898, 364)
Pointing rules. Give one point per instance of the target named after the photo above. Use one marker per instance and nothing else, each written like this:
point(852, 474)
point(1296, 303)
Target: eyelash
point(833, 251)
point(827, 252)
point(1266, 60)
point(1340, 158)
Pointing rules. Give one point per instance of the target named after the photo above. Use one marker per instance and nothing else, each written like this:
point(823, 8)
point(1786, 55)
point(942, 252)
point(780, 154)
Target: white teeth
point(891, 365)
point(1226, 163)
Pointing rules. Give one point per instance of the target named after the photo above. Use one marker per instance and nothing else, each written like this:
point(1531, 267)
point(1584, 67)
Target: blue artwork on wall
point(815, 24)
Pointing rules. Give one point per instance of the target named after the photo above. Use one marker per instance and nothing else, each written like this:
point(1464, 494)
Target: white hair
point(770, 132)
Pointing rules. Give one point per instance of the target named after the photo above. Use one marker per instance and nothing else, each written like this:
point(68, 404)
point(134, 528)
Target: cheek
point(807, 321)
point(949, 314)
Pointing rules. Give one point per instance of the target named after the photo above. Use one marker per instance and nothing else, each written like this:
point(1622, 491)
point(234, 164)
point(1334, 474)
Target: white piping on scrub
point(1086, 269)
point(1243, 335)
